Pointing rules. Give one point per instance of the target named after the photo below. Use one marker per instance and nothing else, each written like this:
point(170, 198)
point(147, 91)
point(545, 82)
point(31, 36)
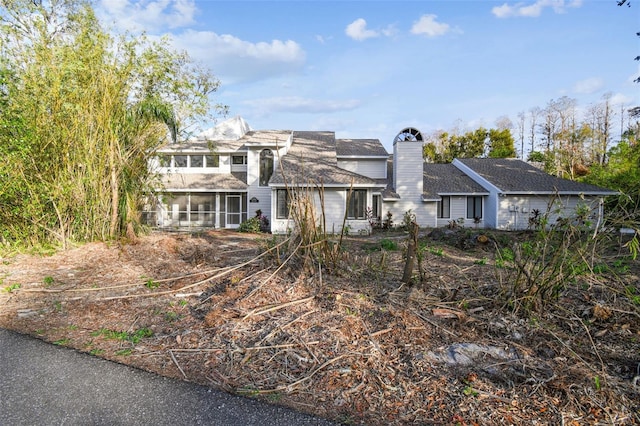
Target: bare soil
point(348, 341)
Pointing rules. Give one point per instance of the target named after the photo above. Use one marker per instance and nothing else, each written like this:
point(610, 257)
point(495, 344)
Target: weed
point(12, 287)
point(171, 316)
point(470, 391)
point(596, 383)
point(124, 352)
point(389, 245)
point(57, 305)
point(39, 331)
point(123, 335)
point(437, 251)
point(151, 284)
point(482, 261)
point(48, 280)
point(183, 302)
point(96, 352)
point(62, 342)
point(72, 327)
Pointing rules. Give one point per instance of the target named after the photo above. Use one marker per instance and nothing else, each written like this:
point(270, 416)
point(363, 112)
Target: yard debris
point(352, 344)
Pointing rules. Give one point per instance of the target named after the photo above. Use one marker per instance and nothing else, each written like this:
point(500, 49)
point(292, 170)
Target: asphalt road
point(43, 384)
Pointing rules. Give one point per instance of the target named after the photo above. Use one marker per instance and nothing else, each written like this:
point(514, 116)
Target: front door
point(234, 211)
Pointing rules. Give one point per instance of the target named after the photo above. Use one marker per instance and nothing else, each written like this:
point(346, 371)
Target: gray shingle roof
point(205, 181)
point(312, 159)
point(360, 148)
point(511, 175)
point(447, 179)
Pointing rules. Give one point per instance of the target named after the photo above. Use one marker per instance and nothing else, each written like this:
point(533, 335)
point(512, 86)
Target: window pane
point(282, 204)
point(180, 160)
point(165, 160)
point(444, 207)
point(197, 161)
point(266, 166)
point(474, 207)
point(357, 204)
point(239, 159)
point(212, 161)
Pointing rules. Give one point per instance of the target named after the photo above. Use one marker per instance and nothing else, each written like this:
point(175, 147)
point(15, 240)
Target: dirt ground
point(346, 341)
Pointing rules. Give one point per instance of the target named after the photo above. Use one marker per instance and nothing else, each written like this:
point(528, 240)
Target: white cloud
point(146, 15)
point(535, 9)
point(296, 104)
point(428, 26)
point(357, 30)
point(234, 60)
point(588, 86)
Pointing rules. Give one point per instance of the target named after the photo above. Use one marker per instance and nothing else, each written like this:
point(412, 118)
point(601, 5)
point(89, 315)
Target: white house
point(231, 172)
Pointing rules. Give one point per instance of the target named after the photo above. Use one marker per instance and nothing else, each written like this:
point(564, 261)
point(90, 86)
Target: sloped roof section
point(231, 129)
point(312, 160)
point(360, 148)
point(267, 137)
point(447, 179)
point(511, 175)
point(204, 182)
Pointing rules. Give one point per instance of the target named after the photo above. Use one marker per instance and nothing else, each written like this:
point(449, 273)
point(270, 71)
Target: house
point(233, 172)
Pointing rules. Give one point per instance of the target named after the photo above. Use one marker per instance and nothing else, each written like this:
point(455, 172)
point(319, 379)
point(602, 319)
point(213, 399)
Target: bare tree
point(521, 123)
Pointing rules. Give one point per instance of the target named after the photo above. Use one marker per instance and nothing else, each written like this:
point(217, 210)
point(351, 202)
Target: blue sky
point(367, 69)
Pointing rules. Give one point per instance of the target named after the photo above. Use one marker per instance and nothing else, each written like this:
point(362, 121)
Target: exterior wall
point(375, 169)
point(515, 211)
point(334, 208)
point(426, 212)
point(408, 180)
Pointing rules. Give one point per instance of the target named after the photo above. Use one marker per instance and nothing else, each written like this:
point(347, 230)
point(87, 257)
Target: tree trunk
point(411, 253)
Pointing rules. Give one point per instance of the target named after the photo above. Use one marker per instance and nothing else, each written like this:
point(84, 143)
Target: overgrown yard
point(343, 337)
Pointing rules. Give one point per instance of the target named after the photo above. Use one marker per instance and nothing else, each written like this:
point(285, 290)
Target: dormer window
point(266, 166)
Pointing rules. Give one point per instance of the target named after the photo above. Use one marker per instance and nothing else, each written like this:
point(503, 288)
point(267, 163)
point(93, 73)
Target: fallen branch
point(175, 361)
point(277, 307)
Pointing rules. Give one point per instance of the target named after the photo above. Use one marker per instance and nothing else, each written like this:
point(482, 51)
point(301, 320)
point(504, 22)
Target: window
point(474, 207)
point(444, 207)
point(357, 204)
point(375, 210)
point(164, 160)
point(266, 166)
point(180, 160)
point(282, 204)
point(239, 159)
point(197, 161)
point(212, 160)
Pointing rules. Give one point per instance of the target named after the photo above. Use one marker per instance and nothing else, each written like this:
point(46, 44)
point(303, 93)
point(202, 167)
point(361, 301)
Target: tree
point(82, 114)
point(501, 144)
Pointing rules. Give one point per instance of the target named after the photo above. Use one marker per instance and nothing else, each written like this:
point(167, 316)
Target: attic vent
point(409, 134)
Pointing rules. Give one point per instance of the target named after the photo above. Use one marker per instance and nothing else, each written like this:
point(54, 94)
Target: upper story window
point(357, 204)
point(165, 160)
point(197, 161)
point(266, 166)
point(238, 159)
point(212, 160)
point(180, 160)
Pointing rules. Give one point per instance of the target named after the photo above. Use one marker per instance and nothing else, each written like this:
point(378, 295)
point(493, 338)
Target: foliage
point(81, 114)
point(534, 272)
point(444, 147)
point(622, 173)
point(254, 225)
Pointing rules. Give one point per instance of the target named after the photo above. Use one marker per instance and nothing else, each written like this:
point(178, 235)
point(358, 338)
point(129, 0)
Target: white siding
point(515, 211)
point(375, 169)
